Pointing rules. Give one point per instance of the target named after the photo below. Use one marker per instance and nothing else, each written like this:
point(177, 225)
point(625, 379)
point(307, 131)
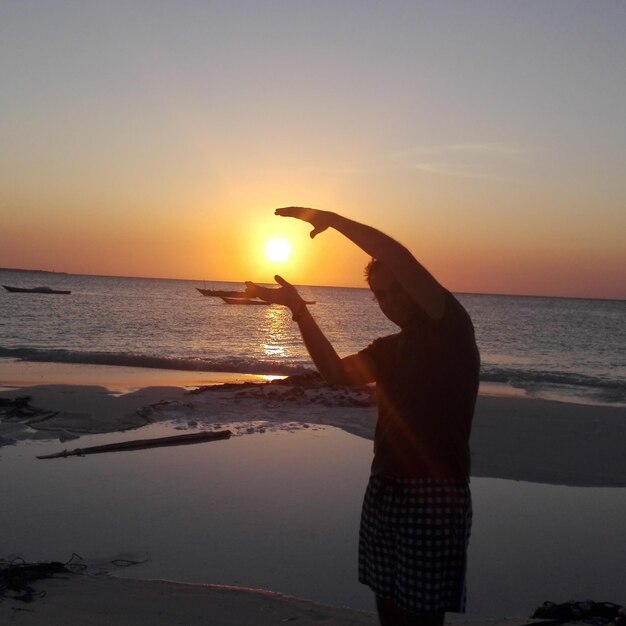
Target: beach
point(82, 600)
point(514, 439)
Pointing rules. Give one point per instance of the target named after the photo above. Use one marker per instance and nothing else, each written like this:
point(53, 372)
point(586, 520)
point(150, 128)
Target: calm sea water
point(549, 347)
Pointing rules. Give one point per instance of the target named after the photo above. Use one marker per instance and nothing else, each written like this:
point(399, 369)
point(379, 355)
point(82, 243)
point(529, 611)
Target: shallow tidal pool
point(280, 510)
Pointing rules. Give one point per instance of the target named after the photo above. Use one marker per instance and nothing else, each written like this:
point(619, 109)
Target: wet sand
point(516, 438)
point(513, 438)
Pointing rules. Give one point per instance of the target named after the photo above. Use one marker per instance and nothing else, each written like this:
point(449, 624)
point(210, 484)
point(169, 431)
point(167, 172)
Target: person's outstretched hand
point(320, 220)
point(286, 294)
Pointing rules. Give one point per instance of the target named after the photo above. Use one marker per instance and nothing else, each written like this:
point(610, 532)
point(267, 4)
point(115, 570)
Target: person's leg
point(390, 615)
point(386, 612)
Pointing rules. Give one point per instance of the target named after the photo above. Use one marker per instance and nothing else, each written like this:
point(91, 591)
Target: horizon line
point(467, 293)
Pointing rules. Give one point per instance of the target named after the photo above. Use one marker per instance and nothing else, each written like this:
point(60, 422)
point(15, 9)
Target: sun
point(277, 250)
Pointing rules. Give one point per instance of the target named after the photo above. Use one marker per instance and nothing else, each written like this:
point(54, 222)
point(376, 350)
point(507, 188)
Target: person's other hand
point(286, 294)
point(320, 220)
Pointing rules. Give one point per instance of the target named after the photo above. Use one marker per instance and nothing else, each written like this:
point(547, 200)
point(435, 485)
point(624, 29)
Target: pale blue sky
point(483, 133)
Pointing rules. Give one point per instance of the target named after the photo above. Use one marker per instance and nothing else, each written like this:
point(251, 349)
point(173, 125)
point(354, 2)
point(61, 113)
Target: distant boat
point(35, 290)
point(236, 297)
point(253, 301)
point(243, 300)
point(217, 293)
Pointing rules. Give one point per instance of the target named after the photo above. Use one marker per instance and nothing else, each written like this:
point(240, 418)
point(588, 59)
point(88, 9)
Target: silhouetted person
point(417, 511)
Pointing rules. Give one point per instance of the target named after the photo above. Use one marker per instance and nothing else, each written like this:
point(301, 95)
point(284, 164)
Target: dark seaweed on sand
point(17, 578)
point(20, 409)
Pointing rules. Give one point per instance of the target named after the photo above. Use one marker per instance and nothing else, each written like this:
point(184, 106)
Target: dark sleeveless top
point(426, 388)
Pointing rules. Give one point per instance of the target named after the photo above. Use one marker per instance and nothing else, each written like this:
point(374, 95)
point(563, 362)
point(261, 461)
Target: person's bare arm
point(415, 279)
point(356, 369)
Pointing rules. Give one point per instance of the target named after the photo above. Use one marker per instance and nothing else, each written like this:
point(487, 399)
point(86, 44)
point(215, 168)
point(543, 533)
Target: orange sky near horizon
point(489, 140)
point(219, 248)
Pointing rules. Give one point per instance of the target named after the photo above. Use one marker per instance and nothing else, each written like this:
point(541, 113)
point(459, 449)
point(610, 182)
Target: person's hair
point(374, 264)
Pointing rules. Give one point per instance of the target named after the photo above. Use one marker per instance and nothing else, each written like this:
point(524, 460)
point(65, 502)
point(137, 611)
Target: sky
point(153, 138)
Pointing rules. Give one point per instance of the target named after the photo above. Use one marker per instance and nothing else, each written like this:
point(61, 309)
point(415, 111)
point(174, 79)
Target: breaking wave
point(226, 364)
point(596, 388)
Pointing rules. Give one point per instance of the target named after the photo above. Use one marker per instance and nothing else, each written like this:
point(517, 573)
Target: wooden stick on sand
point(141, 444)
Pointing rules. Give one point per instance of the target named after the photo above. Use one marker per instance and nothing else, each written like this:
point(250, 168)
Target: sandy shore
point(516, 438)
point(106, 601)
point(513, 438)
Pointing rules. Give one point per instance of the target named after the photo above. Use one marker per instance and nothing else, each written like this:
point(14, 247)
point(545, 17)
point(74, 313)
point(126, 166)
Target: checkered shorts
point(413, 542)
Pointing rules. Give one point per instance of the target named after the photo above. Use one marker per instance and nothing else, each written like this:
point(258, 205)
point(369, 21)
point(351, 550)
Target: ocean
point(556, 348)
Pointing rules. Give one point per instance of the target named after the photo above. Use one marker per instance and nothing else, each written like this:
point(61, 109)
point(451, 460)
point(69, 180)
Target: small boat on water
point(236, 297)
point(47, 290)
point(253, 301)
point(218, 293)
point(243, 300)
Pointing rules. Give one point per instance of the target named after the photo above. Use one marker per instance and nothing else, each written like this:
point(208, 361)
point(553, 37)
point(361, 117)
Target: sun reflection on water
point(268, 378)
point(276, 324)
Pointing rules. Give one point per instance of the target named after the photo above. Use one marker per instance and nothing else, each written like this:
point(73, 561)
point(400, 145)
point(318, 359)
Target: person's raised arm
point(414, 278)
point(352, 370)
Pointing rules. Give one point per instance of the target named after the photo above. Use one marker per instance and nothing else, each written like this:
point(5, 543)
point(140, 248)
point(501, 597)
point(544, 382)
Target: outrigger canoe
point(218, 293)
point(47, 290)
point(236, 297)
point(243, 301)
point(253, 301)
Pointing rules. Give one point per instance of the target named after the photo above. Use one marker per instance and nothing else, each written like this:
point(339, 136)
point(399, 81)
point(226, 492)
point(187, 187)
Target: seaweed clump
point(17, 578)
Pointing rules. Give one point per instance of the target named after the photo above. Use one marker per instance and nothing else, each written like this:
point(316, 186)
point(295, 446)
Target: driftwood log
point(142, 444)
